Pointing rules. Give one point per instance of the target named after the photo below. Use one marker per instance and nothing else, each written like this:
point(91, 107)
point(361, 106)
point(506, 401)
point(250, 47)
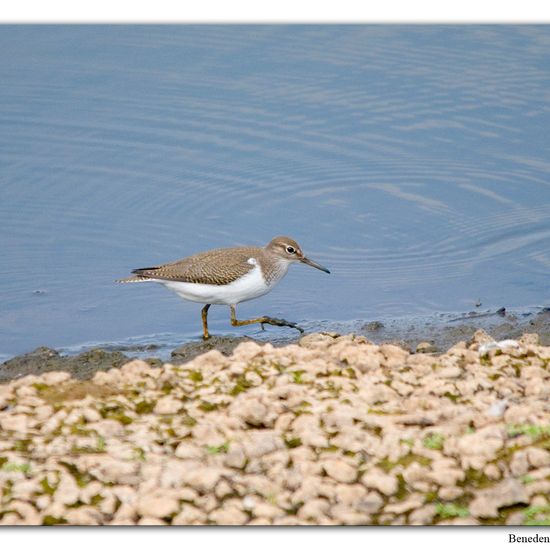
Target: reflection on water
point(413, 161)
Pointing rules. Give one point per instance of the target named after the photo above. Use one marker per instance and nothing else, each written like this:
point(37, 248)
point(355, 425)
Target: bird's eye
point(290, 249)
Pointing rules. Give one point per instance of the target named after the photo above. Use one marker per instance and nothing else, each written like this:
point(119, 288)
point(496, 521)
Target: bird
point(229, 276)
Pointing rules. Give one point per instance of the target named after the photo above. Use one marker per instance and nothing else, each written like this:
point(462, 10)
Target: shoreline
point(434, 334)
point(334, 430)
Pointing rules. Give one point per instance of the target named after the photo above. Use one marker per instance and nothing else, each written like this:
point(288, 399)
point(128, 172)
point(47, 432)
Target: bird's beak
point(307, 261)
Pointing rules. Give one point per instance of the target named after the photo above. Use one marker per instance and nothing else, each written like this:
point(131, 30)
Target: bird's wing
point(214, 267)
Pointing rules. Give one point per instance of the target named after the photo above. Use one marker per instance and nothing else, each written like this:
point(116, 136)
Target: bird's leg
point(204, 314)
point(267, 320)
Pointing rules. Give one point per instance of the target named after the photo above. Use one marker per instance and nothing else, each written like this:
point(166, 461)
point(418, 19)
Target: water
point(413, 161)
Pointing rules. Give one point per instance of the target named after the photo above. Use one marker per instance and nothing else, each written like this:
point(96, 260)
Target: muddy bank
point(334, 430)
point(432, 334)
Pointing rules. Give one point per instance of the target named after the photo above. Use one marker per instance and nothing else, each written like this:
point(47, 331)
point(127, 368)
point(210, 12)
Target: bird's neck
point(273, 267)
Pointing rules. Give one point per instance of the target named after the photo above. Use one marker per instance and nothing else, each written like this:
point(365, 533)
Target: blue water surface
point(413, 161)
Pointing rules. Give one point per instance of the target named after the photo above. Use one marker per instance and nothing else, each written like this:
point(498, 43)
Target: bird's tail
point(133, 279)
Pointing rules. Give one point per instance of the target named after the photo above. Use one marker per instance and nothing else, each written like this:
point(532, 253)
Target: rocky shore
point(331, 430)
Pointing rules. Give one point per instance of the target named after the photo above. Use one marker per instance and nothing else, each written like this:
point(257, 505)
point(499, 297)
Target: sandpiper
point(229, 276)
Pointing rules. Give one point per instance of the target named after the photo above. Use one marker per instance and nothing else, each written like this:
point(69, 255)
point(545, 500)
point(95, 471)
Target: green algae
point(195, 376)
point(24, 468)
point(217, 449)
point(53, 520)
point(293, 442)
point(434, 441)
point(145, 407)
point(451, 510)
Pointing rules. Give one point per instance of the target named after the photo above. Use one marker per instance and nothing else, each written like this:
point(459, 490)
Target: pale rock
point(371, 503)
point(43, 412)
point(340, 471)
point(308, 489)
point(446, 477)
point(492, 471)
point(167, 405)
point(151, 506)
point(43, 501)
point(108, 470)
point(135, 369)
point(223, 489)
point(229, 515)
point(450, 493)
point(125, 493)
point(56, 509)
point(350, 495)
point(480, 447)
point(91, 490)
point(262, 442)
point(11, 518)
point(189, 515)
point(515, 518)
point(54, 378)
point(269, 511)
point(401, 388)
point(53, 423)
point(208, 435)
point(449, 372)
point(333, 421)
point(125, 512)
point(394, 355)
point(368, 362)
point(498, 408)
point(260, 521)
point(314, 509)
point(235, 457)
point(520, 414)
point(519, 464)
point(537, 457)
point(342, 515)
point(414, 501)
point(506, 493)
point(283, 422)
point(108, 504)
point(203, 479)
point(375, 478)
point(67, 491)
point(14, 423)
point(90, 414)
point(187, 494)
point(108, 428)
point(26, 511)
point(84, 515)
point(24, 489)
point(423, 515)
point(173, 473)
point(188, 450)
point(252, 411)
point(539, 501)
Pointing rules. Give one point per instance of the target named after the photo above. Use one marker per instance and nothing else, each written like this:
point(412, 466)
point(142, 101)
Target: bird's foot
point(280, 323)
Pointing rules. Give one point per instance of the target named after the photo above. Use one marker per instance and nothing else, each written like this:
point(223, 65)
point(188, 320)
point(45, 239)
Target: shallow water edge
point(416, 334)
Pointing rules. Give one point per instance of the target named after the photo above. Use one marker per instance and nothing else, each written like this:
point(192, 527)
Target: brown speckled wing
point(215, 267)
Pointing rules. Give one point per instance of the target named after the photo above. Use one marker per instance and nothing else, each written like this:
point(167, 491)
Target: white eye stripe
point(251, 261)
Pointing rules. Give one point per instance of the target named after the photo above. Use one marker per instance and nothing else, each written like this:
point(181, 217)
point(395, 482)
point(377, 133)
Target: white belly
point(251, 286)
